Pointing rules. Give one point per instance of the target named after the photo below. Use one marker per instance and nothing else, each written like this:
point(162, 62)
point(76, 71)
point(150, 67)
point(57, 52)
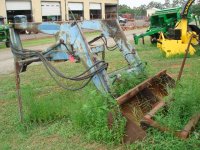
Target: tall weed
point(186, 104)
point(92, 119)
point(43, 109)
point(126, 82)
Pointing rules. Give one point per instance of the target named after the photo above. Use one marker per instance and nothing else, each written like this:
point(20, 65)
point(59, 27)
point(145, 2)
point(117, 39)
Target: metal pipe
point(184, 134)
point(185, 57)
point(31, 60)
point(125, 97)
point(17, 71)
point(150, 114)
point(143, 40)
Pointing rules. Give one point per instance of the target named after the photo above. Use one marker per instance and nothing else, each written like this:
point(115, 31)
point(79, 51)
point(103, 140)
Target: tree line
point(141, 10)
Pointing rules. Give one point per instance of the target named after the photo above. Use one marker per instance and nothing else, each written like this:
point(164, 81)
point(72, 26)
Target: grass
point(91, 119)
point(49, 40)
point(43, 41)
point(131, 81)
point(33, 42)
point(187, 99)
point(59, 119)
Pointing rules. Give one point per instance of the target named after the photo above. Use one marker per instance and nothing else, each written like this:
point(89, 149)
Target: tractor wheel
point(7, 44)
point(153, 38)
point(196, 29)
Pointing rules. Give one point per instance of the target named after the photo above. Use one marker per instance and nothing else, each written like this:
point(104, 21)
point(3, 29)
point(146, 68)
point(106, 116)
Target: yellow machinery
point(177, 39)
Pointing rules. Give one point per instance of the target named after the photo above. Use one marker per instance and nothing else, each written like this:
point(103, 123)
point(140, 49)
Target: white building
point(151, 11)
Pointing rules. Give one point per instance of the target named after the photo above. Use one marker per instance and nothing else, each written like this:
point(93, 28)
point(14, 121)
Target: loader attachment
point(140, 100)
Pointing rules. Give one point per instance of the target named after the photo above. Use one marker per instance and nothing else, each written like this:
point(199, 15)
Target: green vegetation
point(131, 81)
point(142, 9)
point(33, 42)
point(59, 119)
point(44, 40)
point(186, 97)
point(196, 9)
point(92, 119)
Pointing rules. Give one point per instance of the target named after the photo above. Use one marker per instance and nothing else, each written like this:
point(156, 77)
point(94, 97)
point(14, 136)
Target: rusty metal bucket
point(137, 102)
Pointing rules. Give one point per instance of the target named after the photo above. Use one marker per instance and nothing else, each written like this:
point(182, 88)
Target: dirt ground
point(6, 56)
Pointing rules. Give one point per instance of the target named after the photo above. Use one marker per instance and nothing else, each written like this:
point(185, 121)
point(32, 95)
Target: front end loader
point(72, 43)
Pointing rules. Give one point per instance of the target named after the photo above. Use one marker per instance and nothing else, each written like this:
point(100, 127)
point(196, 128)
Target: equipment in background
point(161, 21)
point(71, 45)
point(176, 41)
point(21, 19)
point(4, 32)
point(122, 20)
point(171, 30)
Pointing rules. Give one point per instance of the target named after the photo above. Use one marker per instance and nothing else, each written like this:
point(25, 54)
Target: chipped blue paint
point(49, 28)
point(72, 36)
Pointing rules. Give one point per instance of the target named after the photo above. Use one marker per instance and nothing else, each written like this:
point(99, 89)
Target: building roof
point(153, 8)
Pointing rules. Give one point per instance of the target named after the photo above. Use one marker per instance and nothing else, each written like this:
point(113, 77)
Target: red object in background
point(127, 16)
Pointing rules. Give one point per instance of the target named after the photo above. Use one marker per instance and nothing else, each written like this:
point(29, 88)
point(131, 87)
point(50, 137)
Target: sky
point(136, 3)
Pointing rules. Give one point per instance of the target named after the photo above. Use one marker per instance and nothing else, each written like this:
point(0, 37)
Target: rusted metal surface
point(17, 71)
point(148, 121)
point(133, 132)
point(161, 77)
point(184, 134)
point(185, 57)
point(151, 123)
point(140, 100)
point(155, 109)
point(143, 40)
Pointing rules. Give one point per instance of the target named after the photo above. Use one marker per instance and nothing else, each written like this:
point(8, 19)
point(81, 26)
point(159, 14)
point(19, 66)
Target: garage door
point(51, 9)
point(75, 6)
point(18, 5)
point(95, 6)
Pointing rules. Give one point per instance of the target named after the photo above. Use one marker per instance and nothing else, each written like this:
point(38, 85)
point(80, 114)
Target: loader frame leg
point(17, 78)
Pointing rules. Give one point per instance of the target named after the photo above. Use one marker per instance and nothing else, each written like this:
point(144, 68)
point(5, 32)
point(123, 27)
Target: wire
point(103, 38)
point(106, 44)
point(86, 75)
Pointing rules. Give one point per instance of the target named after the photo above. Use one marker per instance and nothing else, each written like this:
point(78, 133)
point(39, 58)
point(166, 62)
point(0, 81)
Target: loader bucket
point(140, 100)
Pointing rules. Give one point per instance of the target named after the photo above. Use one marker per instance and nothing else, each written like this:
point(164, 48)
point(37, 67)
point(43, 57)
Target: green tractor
point(4, 32)
point(162, 21)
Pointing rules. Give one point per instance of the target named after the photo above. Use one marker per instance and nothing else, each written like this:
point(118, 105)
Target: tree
point(196, 9)
point(177, 3)
point(153, 4)
point(125, 9)
point(140, 11)
point(136, 11)
point(167, 4)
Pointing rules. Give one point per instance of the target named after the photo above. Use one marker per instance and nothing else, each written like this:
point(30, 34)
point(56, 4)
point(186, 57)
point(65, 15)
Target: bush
point(92, 119)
